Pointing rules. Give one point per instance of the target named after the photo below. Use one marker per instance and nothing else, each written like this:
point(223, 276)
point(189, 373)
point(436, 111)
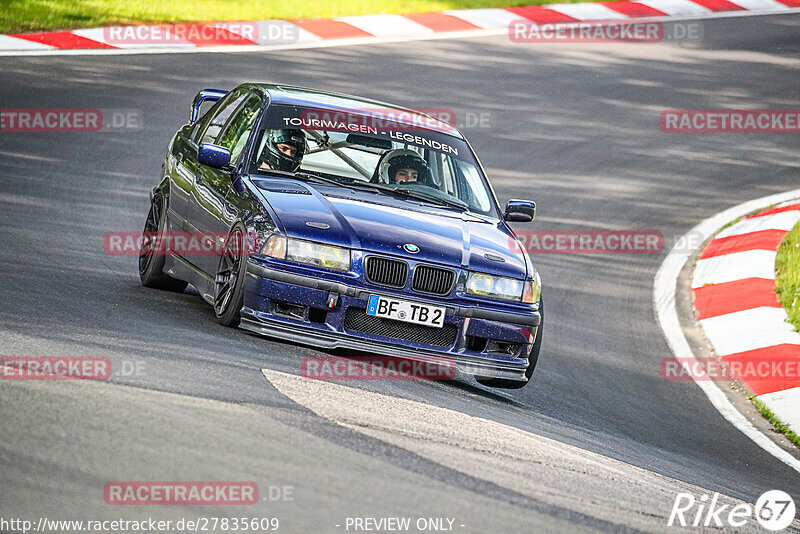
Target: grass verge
point(787, 275)
point(787, 287)
point(779, 427)
point(18, 16)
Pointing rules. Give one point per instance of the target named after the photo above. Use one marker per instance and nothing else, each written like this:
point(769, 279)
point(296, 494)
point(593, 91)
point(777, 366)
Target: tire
point(229, 280)
point(151, 264)
point(533, 358)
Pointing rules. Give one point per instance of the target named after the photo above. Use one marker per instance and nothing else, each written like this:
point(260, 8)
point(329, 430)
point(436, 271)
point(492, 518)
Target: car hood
point(382, 224)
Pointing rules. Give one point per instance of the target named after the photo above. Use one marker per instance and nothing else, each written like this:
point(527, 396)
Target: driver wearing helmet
point(405, 166)
point(283, 150)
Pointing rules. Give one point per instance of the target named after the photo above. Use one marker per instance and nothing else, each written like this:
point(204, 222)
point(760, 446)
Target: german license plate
point(403, 310)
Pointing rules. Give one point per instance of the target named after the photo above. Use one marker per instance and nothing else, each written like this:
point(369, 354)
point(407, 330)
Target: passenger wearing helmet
point(283, 150)
point(404, 166)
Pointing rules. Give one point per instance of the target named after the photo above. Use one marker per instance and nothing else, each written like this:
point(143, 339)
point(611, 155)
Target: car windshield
point(370, 151)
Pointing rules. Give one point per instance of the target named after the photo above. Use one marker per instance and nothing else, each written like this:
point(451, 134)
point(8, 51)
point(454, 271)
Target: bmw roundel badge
point(410, 247)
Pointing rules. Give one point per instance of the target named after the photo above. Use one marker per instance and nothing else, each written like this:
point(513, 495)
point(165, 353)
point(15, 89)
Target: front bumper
point(325, 322)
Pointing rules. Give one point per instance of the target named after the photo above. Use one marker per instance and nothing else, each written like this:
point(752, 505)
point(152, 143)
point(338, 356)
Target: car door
point(197, 202)
point(183, 168)
point(216, 203)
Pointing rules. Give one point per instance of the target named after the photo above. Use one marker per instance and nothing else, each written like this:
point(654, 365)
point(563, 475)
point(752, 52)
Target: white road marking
point(676, 7)
point(15, 44)
point(751, 329)
point(386, 25)
point(784, 220)
point(736, 266)
point(541, 468)
point(761, 5)
point(485, 18)
point(587, 11)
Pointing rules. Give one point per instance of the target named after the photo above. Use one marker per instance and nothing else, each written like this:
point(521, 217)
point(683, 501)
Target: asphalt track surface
point(574, 127)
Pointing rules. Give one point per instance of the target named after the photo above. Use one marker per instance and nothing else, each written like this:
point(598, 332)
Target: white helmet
point(402, 158)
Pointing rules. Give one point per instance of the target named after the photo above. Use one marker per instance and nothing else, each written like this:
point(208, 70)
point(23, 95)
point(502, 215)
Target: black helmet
point(407, 159)
point(272, 156)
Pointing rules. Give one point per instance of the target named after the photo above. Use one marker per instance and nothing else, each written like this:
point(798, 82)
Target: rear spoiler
point(211, 95)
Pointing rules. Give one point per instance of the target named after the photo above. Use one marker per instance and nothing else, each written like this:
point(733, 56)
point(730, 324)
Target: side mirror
point(520, 210)
point(214, 156)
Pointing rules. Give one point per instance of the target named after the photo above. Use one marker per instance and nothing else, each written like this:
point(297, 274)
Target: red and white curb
point(366, 28)
point(733, 286)
point(735, 302)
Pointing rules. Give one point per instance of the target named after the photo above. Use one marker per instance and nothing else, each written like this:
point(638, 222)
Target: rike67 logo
point(774, 510)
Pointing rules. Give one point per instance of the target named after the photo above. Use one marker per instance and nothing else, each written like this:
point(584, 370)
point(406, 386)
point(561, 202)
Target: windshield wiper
point(304, 176)
point(453, 203)
point(367, 186)
point(416, 195)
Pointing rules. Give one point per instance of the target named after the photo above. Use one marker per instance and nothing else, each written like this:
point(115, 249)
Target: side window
point(448, 176)
point(443, 172)
point(222, 115)
point(207, 111)
point(202, 121)
point(475, 186)
point(238, 129)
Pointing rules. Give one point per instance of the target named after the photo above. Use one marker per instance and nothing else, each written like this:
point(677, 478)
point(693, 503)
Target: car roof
point(302, 96)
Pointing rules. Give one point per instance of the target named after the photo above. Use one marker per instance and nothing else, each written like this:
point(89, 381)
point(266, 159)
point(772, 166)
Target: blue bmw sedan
point(338, 222)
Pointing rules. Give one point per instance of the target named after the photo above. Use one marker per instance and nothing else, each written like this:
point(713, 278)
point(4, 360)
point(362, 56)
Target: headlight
point(307, 252)
point(499, 287)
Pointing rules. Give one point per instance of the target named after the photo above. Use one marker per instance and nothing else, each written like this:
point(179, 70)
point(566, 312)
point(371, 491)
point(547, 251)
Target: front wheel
point(533, 357)
point(229, 282)
point(151, 254)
